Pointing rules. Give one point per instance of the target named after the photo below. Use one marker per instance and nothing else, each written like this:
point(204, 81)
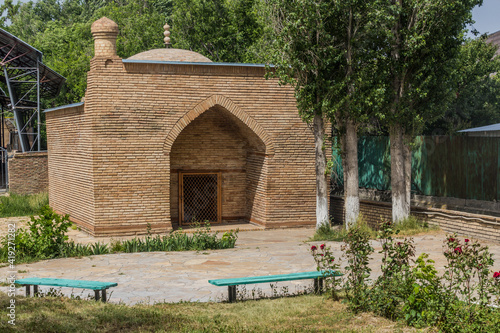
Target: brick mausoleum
point(167, 137)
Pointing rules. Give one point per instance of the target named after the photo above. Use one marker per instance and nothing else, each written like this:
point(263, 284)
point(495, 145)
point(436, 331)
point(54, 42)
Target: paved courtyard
point(174, 276)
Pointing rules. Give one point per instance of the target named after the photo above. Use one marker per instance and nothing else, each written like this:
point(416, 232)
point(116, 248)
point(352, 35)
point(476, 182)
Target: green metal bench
point(84, 284)
point(231, 284)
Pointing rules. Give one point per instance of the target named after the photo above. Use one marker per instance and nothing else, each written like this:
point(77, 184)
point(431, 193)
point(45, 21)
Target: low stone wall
point(28, 173)
point(464, 224)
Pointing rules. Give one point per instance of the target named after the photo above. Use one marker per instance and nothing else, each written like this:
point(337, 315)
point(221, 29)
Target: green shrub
point(328, 233)
point(407, 227)
point(464, 299)
point(325, 261)
point(357, 250)
point(412, 225)
point(22, 205)
point(395, 284)
point(44, 238)
point(426, 302)
point(200, 239)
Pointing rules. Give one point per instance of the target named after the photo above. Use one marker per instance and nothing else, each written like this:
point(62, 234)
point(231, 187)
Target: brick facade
point(28, 173)
point(114, 161)
point(464, 224)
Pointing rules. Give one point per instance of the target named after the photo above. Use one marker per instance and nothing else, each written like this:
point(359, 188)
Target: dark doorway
point(199, 197)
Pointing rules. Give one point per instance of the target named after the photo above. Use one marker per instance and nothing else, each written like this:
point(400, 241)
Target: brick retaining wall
point(28, 173)
point(464, 224)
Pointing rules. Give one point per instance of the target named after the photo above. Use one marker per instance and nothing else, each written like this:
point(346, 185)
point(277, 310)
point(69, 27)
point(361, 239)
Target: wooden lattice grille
point(199, 197)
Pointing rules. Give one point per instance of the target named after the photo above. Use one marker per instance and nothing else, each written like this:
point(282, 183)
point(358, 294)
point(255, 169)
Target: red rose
point(322, 255)
point(496, 275)
point(458, 250)
point(399, 243)
point(332, 260)
point(313, 248)
point(451, 240)
point(322, 246)
point(466, 240)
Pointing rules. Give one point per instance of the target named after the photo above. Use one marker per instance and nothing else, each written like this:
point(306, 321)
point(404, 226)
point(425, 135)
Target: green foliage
point(477, 89)
point(43, 239)
point(395, 283)
point(222, 30)
point(357, 250)
point(61, 30)
point(418, 57)
point(324, 49)
point(200, 239)
point(22, 205)
point(327, 232)
point(425, 300)
point(46, 238)
point(464, 299)
point(407, 227)
point(325, 261)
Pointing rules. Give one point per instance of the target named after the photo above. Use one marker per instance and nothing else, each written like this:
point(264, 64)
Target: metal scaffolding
point(28, 80)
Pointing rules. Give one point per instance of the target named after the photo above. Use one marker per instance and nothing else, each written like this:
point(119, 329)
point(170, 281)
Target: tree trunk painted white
point(351, 180)
point(321, 184)
point(398, 187)
point(407, 171)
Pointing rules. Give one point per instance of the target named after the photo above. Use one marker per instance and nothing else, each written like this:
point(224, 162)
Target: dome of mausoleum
point(169, 54)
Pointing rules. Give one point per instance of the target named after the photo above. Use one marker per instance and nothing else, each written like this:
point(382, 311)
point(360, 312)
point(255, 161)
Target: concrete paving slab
point(174, 276)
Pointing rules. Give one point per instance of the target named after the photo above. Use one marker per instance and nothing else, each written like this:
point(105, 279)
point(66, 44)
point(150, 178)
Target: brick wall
point(28, 173)
point(71, 186)
point(135, 118)
point(213, 143)
point(464, 224)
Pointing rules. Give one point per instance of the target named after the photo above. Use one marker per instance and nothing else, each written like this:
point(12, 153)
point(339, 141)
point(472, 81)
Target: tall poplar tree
point(423, 39)
point(324, 49)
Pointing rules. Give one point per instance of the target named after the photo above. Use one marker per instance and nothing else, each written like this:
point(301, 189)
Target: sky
point(487, 16)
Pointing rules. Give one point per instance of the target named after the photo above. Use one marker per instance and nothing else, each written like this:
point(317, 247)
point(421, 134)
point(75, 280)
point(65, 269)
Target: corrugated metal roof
point(489, 128)
point(65, 107)
point(134, 61)
point(16, 53)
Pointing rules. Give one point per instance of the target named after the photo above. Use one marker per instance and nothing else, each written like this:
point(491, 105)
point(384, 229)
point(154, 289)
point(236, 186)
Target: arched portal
point(218, 170)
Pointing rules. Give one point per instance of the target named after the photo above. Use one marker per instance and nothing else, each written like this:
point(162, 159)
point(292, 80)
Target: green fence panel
point(498, 170)
point(374, 162)
point(459, 167)
point(482, 166)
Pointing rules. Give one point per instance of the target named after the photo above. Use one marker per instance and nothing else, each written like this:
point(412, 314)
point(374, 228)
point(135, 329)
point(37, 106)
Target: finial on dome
point(167, 35)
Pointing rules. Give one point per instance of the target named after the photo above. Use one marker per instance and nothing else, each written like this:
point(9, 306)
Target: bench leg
point(35, 290)
point(318, 285)
point(96, 294)
point(231, 290)
point(103, 295)
point(28, 290)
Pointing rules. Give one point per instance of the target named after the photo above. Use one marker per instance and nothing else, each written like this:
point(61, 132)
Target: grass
point(408, 227)
point(310, 313)
point(22, 205)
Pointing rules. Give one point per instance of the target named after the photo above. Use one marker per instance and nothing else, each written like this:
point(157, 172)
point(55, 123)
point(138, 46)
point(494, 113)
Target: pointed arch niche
point(218, 165)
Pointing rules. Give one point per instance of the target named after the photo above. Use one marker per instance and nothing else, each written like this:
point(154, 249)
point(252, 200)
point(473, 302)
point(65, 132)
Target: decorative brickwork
point(28, 173)
point(114, 162)
point(464, 224)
